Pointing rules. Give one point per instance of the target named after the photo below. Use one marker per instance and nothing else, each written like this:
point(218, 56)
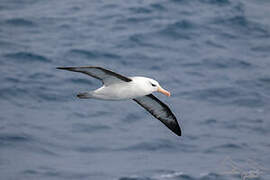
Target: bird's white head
point(154, 85)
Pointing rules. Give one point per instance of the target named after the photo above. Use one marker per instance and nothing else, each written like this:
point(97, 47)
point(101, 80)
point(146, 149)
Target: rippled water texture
point(213, 55)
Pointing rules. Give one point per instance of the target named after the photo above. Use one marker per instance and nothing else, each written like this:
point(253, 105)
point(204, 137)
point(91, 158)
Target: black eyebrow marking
point(154, 85)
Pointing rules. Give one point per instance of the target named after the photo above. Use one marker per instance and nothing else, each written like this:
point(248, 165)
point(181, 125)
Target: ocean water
point(213, 55)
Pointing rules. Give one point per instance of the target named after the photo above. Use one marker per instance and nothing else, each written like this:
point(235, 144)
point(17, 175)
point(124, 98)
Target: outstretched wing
point(106, 76)
point(160, 111)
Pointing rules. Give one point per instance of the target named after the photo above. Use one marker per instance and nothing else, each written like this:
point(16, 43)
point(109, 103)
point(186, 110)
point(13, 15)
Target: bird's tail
point(85, 95)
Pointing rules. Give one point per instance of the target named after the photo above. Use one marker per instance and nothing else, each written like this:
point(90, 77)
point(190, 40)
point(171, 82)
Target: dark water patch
point(14, 138)
point(10, 139)
point(141, 40)
point(134, 20)
point(265, 48)
point(215, 44)
point(4, 44)
point(228, 95)
point(135, 178)
point(155, 67)
point(49, 173)
point(92, 149)
point(75, 9)
point(260, 87)
point(43, 93)
point(80, 81)
point(162, 176)
point(265, 80)
point(227, 147)
point(160, 145)
point(212, 176)
point(225, 63)
point(110, 6)
point(221, 95)
point(131, 118)
point(94, 54)
point(65, 26)
point(20, 22)
point(86, 128)
point(179, 30)
point(40, 76)
point(180, 1)
point(140, 10)
point(11, 92)
point(260, 129)
point(158, 6)
point(41, 150)
point(216, 2)
point(247, 125)
point(88, 54)
point(209, 122)
point(241, 24)
point(27, 57)
point(12, 80)
point(137, 39)
point(249, 102)
point(30, 172)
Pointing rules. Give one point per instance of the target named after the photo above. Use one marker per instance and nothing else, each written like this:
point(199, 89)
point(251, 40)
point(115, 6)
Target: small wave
point(252, 100)
point(20, 22)
point(158, 6)
point(264, 48)
point(91, 149)
point(244, 25)
point(135, 178)
point(7, 93)
point(11, 139)
point(225, 147)
point(216, 94)
point(158, 145)
point(179, 30)
point(80, 81)
point(216, 2)
point(14, 138)
point(209, 121)
point(226, 63)
point(27, 57)
point(86, 128)
point(221, 63)
point(140, 10)
point(94, 54)
point(40, 75)
point(175, 176)
point(131, 118)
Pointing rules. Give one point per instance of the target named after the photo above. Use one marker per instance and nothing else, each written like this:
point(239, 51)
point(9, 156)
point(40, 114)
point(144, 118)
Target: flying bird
point(140, 89)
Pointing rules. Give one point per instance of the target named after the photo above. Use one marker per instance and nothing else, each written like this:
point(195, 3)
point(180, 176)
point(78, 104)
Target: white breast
point(124, 90)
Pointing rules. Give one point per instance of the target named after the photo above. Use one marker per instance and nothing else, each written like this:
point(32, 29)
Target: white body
point(139, 86)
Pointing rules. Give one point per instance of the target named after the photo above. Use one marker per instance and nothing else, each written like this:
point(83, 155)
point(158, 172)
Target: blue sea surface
point(213, 55)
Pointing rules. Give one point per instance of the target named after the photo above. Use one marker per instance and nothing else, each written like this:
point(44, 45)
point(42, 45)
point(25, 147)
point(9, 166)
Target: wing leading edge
point(106, 76)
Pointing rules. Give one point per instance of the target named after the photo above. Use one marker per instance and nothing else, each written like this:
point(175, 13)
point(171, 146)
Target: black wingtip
point(177, 130)
point(67, 68)
point(64, 68)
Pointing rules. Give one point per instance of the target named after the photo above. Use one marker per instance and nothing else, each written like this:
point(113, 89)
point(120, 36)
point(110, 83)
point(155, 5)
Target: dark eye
point(153, 85)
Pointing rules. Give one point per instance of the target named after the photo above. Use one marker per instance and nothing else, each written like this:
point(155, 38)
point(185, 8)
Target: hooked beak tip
point(163, 91)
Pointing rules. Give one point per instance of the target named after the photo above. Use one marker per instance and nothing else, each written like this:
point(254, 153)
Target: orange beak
point(163, 91)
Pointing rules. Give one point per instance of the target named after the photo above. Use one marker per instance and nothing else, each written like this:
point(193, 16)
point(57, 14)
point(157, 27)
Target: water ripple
point(27, 57)
point(20, 22)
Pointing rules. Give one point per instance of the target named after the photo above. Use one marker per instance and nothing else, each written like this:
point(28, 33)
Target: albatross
point(139, 89)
